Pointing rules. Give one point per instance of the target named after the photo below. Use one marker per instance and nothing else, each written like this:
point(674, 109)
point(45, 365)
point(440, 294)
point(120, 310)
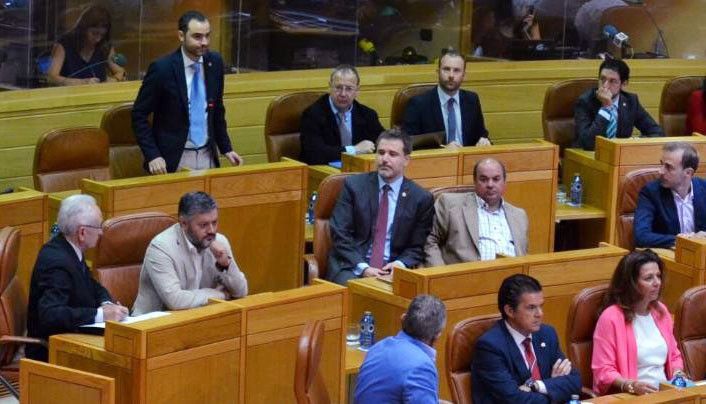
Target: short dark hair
point(425, 318)
point(487, 160)
point(396, 133)
point(186, 18)
point(345, 69)
point(617, 66)
point(195, 203)
point(623, 289)
point(512, 289)
point(452, 53)
point(690, 158)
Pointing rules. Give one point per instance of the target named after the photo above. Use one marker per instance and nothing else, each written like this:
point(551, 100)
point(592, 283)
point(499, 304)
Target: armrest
point(587, 393)
point(13, 340)
point(312, 268)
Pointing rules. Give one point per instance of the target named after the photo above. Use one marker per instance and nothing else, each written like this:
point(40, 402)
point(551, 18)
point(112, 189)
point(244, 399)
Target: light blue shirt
point(398, 369)
point(347, 117)
point(392, 196)
point(443, 100)
point(605, 111)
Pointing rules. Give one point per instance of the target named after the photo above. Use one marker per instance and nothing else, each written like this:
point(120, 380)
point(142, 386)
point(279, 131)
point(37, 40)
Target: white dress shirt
point(685, 210)
point(494, 234)
point(651, 350)
point(519, 338)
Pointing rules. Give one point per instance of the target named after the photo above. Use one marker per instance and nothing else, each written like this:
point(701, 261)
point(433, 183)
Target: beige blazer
point(454, 234)
point(175, 276)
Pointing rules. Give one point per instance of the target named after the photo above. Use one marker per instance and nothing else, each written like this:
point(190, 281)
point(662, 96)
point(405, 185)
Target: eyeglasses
point(92, 227)
point(344, 89)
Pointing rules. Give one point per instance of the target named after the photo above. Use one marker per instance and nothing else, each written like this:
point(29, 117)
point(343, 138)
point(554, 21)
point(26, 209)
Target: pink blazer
point(615, 349)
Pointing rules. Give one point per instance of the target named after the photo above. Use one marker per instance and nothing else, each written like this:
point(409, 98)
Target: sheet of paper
point(129, 320)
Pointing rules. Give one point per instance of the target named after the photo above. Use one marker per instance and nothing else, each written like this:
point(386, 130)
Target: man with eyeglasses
point(336, 123)
point(62, 295)
point(609, 110)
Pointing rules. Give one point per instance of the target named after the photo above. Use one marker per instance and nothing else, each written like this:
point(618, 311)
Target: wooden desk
point(583, 212)
point(317, 174)
point(42, 383)
point(26, 209)
point(685, 268)
point(256, 203)
point(691, 395)
point(470, 289)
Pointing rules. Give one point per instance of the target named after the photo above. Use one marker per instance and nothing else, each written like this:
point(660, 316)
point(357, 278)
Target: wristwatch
point(534, 386)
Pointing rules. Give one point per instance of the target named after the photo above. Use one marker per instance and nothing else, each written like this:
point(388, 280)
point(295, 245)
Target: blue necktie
point(612, 123)
point(197, 109)
point(451, 121)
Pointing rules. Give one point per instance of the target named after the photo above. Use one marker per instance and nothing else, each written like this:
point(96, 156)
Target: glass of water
point(353, 335)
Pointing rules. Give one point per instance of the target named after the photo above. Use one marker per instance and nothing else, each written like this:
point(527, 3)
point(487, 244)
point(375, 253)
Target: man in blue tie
point(184, 92)
point(609, 110)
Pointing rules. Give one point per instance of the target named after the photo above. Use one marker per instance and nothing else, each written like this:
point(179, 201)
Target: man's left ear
point(624, 84)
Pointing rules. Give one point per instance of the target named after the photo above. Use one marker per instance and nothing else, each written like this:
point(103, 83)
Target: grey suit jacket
point(454, 234)
point(175, 276)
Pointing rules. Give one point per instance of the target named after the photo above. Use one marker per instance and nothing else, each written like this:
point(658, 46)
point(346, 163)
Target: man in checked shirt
point(477, 225)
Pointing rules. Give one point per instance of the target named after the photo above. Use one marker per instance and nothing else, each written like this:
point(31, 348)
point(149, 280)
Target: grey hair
point(344, 69)
point(75, 211)
point(195, 203)
point(425, 318)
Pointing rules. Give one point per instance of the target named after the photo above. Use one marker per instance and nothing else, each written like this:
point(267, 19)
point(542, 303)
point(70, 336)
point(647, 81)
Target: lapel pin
point(543, 344)
point(625, 105)
point(404, 194)
point(210, 64)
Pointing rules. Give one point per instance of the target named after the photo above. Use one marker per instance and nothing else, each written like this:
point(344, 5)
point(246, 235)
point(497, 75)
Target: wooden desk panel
point(42, 383)
point(685, 268)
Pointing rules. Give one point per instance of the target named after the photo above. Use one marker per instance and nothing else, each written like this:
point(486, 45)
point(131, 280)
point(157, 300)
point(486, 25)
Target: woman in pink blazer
point(633, 345)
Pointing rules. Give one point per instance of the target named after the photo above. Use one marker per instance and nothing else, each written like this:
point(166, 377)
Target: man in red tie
point(381, 219)
point(519, 359)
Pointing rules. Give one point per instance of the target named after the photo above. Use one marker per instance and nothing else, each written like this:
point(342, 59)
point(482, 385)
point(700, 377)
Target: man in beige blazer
point(478, 225)
point(189, 262)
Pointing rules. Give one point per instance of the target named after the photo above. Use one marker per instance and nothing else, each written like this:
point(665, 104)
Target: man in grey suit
point(189, 262)
point(381, 219)
point(477, 226)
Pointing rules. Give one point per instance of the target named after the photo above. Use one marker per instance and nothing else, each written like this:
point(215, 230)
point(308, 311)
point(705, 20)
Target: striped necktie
point(612, 129)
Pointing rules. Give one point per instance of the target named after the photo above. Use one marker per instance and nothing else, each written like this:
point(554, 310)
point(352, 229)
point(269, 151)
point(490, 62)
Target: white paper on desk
point(129, 319)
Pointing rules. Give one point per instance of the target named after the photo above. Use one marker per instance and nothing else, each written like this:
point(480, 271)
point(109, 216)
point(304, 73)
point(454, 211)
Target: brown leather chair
point(628, 193)
point(282, 124)
point(121, 250)
point(674, 101)
point(458, 189)
point(125, 155)
point(460, 347)
point(309, 387)
point(65, 156)
point(690, 330)
point(581, 321)
point(402, 97)
point(13, 304)
point(558, 111)
point(636, 22)
point(329, 189)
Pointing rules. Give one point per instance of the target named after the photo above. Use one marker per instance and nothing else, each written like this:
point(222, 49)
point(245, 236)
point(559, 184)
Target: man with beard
point(675, 204)
point(381, 219)
point(189, 262)
point(447, 108)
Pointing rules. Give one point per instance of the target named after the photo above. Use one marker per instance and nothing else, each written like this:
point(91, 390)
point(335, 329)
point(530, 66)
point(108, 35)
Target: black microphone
point(118, 58)
point(620, 39)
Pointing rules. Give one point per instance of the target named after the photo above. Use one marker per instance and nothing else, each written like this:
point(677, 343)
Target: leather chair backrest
point(65, 156)
point(329, 189)
point(581, 321)
point(558, 110)
point(431, 140)
point(628, 193)
point(13, 303)
point(690, 330)
point(125, 155)
point(402, 97)
point(282, 124)
point(458, 189)
point(674, 101)
point(309, 387)
point(121, 250)
point(460, 346)
point(636, 22)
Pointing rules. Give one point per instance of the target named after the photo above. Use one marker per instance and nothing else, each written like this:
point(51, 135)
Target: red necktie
point(377, 257)
point(531, 360)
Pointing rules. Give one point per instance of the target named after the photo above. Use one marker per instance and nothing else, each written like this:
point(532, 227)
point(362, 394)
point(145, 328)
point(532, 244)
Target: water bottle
point(310, 209)
point(679, 381)
point(575, 399)
point(367, 331)
point(576, 190)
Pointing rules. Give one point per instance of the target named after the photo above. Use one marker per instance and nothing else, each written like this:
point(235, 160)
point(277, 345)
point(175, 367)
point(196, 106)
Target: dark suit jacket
point(319, 135)
point(656, 221)
point(498, 368)
point(589, 123)
point(353, 221)
point(163, 93)
point(423, 115)
point(62, 294)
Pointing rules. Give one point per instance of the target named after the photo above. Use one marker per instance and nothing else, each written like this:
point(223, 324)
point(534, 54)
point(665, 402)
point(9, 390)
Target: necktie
point(531, 360)
point(450, 121)
point(197, 109)
point(346, 137)
point(612, 124)
point(377, 257)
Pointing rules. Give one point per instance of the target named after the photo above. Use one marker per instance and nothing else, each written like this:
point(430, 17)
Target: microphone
point(118, 58)
point(368, 47)
point(620, 39)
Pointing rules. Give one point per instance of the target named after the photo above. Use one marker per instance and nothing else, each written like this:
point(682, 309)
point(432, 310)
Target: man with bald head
point(477, 225)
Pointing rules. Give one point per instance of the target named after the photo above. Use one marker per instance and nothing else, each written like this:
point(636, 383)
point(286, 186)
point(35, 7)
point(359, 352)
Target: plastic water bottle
point(310, 209)
point(576, 190)
point(367, 331)
point(679, 381)
point(575, 399)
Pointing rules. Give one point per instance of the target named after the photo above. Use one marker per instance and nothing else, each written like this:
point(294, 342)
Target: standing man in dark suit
point(447, 108)
point(338, 123)
point(184, 92)
point(519, 359)
point(675, 204)
point(62, 294)
point(609, 110)
point(381, 218)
